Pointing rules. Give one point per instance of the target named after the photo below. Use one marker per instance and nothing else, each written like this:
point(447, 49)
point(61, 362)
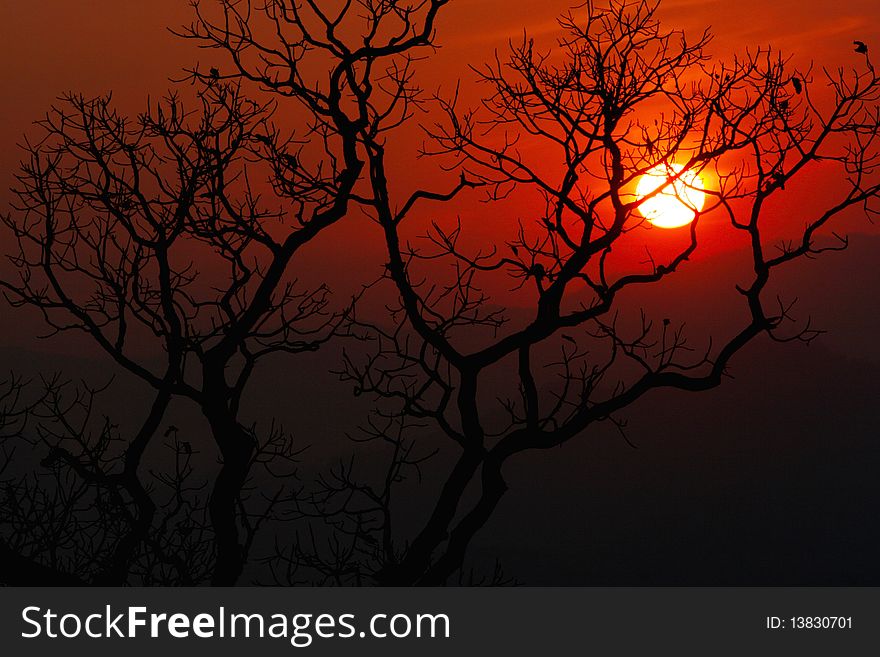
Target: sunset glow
point(678, 204)
point(439, 293)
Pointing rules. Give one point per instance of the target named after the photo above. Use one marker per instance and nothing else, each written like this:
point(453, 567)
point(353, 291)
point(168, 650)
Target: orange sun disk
point(678, 203)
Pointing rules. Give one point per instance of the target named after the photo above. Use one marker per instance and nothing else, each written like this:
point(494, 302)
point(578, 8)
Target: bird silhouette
point(215, 72)
point(538, 271)
point(797, 84)
point(171, 429)
point(861, 47)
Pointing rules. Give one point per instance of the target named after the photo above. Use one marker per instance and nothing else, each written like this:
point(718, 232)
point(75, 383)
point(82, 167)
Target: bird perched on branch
point(861, 47)
point(215, 73)
point(779, 106)
point(778, 179)
point(538, 271)
point(797, 84)
point(290, 162)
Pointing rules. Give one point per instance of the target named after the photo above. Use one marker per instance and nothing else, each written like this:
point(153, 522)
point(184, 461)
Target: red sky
point(48, 47)
point(124, 46)
point(94, 46)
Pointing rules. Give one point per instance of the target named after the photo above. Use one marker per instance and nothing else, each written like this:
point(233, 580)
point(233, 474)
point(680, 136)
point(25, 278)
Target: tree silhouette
point(154, 237)
point(78, 516)
point(109, 217)
point(617, 99)
point(173, 241)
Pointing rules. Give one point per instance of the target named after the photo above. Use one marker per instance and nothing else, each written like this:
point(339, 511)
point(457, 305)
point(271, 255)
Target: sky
point(124, 46)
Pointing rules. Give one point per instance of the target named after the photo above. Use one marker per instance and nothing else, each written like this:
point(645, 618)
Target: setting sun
point(678, 204)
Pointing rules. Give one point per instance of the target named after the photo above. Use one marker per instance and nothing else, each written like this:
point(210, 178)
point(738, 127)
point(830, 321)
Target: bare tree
point(77, 516)
point(15, 412)
point(172, 241)
point(109, 217)
point(156, 230)
point(572, 131)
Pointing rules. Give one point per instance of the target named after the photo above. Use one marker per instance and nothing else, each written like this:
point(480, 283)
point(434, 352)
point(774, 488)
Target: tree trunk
point(236, 448)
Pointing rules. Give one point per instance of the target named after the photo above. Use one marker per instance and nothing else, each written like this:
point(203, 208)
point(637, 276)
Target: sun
point(679, 202)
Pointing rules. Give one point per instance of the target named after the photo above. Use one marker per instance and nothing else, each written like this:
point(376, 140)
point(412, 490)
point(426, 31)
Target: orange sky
point(93, 46)
point(96, 46)
point(792, 438)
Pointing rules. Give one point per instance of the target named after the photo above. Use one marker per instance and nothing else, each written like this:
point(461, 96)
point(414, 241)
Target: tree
point(173, 243)
point(77, 516)
point(119, 224)
point(618, 98)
